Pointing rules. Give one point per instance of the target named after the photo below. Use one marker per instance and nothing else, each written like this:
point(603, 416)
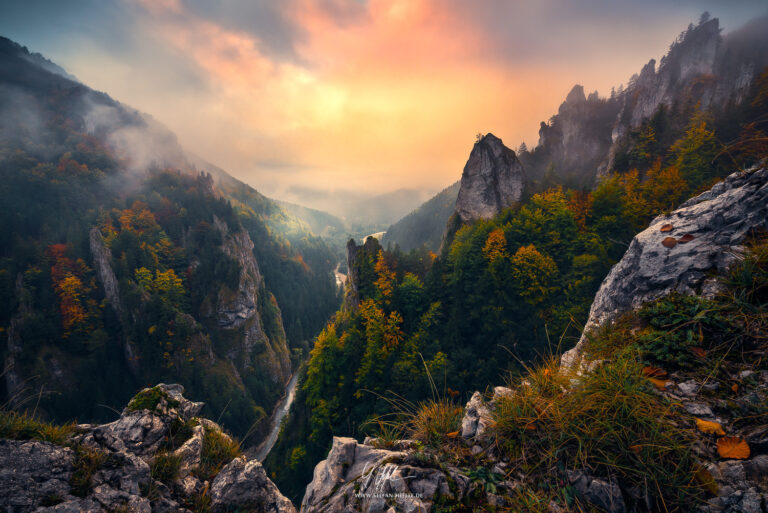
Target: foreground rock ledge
point(709, 232)
point(38, 476)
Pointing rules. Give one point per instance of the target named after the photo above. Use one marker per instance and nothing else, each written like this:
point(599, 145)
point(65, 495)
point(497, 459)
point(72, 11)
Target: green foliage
point(149, 399)
point(677, 324)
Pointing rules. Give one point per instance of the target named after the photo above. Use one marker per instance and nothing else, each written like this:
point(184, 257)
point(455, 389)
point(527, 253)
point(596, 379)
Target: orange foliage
point(67, 276)
point(386, 278)
point(579, 203)
point(495, 245)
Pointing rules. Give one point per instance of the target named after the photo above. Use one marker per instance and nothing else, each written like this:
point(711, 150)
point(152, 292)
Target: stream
point(277, 418)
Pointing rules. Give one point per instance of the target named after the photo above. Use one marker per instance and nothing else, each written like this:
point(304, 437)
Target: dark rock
point(493, 179)
point(244, 484)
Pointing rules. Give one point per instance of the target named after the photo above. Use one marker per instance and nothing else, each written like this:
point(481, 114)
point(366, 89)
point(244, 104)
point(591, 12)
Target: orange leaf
point(705, 479)
point(654, 372)
point(661, 384)
point(735, 387)
point(700, 352)
point(685, 238)
point(669, 242)
point(667, 228)
point(709, 428)
point(733, 447)
point(452, 434)
point(530, 426)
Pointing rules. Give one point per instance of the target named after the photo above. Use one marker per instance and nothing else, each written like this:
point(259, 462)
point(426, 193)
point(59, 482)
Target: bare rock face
point(705, 234)
point(493, 179)
point(39, 476)
point(244, 484)
point(239, 309)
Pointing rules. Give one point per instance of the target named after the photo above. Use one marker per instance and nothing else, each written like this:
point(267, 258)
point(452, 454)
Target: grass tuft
point(87, 461)
point(218, 450)
point(165, 466)
point(20, 426)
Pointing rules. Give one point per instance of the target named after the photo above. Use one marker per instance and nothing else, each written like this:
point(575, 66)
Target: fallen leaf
point(735, 387)
point(669, 242)
point(705, 479)
point(685, 238)
point(733, 447)
point(709, 427)
point(635, 449)
point(654, 372)
point(452, 434)
point(661, 384)
point(667, 228)
point(700, 352)
point(530, 426)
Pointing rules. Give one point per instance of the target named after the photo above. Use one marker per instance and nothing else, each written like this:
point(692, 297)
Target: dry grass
point(612, 425)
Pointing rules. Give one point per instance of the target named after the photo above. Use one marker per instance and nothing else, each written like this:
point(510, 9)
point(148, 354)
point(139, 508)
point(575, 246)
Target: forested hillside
point(501, 292)
point(122, 264)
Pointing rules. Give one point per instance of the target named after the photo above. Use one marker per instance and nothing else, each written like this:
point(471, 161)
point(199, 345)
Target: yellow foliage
point(495, 245)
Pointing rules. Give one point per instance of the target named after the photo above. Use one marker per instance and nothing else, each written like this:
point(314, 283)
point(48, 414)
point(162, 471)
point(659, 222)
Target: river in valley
point(263, 449)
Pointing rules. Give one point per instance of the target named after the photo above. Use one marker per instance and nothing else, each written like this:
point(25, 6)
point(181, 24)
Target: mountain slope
point(669, 379)
point(425, 225)
point(122, 264)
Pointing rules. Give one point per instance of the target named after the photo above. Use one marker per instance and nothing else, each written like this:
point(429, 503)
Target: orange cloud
point(383, 95)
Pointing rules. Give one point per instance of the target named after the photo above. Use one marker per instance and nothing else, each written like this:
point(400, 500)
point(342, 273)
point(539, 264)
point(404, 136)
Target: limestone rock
point(493, 179)
point(244, 484)
point(32, 473)
point(718, 220)
point(38, 476)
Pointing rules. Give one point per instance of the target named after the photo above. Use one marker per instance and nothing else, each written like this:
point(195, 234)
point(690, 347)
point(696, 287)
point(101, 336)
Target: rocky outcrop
point(359, 477)
point(102, 260)
point(239, 310)
point(678, 251)
point(493, 179)
point(575, 140)
point(244, 484)
point(115, 466)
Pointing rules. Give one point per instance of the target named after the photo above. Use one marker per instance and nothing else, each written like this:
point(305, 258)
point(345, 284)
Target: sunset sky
point(300, 96)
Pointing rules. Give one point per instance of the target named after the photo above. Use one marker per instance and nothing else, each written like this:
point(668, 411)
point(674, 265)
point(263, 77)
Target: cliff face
point(493, 179)
point(238, 311)
point(157, 456)
point(701, 70)
point(679, 251)
point(575, 140)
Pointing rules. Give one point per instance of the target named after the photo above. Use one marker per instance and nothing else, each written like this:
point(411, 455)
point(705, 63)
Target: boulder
point(709, 232)
point(244, 484)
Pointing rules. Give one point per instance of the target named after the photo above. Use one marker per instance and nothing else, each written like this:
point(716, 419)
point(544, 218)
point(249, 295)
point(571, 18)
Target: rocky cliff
point(493, 179)
point(158, 456)
point(238, 311)
point(681, 251)
point(702, 70)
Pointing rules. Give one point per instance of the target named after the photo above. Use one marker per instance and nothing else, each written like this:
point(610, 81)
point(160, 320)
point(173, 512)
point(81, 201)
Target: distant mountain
point(425, 225)
point(125, 261)
point(590, 137)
